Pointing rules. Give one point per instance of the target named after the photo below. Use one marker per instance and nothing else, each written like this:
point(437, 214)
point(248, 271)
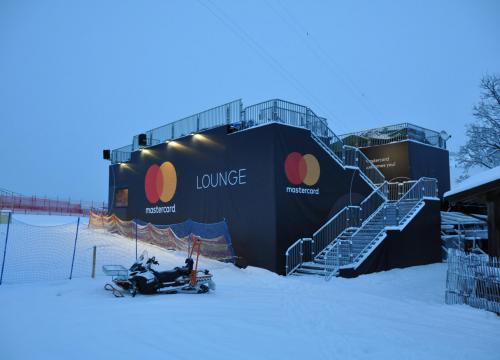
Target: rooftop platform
point(233, 114)
point(395, 133)
point(238, 117)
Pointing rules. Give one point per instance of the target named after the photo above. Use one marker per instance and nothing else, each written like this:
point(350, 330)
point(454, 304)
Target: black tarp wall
point(265, 212)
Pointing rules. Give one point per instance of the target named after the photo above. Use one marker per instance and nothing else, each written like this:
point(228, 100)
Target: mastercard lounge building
point(267, 170)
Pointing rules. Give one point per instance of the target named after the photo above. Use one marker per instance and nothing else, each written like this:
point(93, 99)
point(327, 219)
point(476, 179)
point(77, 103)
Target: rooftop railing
point(279, 111)
point(395, 133)
point(233, 113)
point(220, 115)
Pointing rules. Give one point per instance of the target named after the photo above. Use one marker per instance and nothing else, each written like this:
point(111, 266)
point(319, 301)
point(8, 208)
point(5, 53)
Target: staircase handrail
point(381, 191)
point(421, 183)
point(378, 177)
point(332, 261)
point(349, 216)
point(363, 255)
point(395, 190)
point(337, 149)
point(294, 255)
point(418, 191)
point(326, 234)
point(328, 149)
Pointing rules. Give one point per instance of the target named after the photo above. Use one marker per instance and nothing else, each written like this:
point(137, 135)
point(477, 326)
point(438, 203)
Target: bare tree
point(483, 145)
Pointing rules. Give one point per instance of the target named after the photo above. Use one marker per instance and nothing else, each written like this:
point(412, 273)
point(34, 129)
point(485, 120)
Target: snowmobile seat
point(168, 275)
point(171, 275)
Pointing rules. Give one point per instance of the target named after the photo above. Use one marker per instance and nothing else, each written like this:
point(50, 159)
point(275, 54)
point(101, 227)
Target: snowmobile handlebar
point(152, 261)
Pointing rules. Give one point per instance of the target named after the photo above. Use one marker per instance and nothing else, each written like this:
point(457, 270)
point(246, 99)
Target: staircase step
point(309, 272)
point(315, 266)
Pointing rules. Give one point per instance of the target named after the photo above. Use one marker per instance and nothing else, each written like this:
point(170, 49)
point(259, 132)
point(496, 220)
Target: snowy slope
point(253, 314)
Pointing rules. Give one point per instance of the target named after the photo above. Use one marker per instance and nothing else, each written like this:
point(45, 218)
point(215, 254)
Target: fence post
point(135, 240)
point(301, 250)
point(5, 246)
point(74, 249)
point(286, 265)
point(94, 256)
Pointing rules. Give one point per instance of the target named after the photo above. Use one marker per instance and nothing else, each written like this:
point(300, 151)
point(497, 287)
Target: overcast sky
point(80, 76)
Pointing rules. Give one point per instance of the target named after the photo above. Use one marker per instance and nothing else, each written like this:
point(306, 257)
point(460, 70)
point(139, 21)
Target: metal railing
point(291, 114)
point(358, 217)
point(474, 280)
point(395, 190)
point(361, 255)
point(346, 218)
point(376, 204)
point(294, 256)
point(284, 112)
point(233, 113)
point(352, 156)
point(406, 204)
point(394, 133)
point(372, 202)
point(424, 187)
point(332, 261)
point(220, 115)
point(350, 217)
point(121, 155)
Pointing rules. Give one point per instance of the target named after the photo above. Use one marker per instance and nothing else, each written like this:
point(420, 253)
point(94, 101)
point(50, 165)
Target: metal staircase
point(355, 243)
point(350, 236)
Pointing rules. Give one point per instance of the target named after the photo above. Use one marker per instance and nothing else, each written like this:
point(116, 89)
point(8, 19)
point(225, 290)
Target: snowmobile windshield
point(143, 258)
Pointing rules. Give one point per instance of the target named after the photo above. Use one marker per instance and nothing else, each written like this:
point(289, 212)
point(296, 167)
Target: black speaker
point(143, 140)
point(106, 154)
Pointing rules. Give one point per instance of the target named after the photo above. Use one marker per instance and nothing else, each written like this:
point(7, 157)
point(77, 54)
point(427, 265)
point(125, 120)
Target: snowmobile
point(142, 278)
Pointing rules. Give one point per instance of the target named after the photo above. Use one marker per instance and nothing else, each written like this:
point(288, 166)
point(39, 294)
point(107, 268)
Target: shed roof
point(476, 186)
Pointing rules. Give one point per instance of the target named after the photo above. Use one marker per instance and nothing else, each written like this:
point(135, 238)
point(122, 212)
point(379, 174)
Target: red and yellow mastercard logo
point(160, 182)
point(302, 169)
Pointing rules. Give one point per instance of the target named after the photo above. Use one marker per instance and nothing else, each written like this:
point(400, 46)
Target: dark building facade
point(410, 160)
point(275, 173)
point(241, 177)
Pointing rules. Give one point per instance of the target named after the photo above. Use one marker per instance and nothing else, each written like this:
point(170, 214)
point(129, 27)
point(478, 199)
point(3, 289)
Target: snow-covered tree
point(482, 148)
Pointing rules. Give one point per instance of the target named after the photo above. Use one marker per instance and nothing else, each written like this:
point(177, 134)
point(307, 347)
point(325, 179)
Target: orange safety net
point(217, 247)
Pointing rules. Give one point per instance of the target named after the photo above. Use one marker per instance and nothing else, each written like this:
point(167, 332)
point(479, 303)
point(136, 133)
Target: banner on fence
point(215, 239)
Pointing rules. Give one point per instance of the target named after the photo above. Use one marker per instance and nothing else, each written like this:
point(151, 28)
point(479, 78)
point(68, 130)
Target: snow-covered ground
point(253, 314)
